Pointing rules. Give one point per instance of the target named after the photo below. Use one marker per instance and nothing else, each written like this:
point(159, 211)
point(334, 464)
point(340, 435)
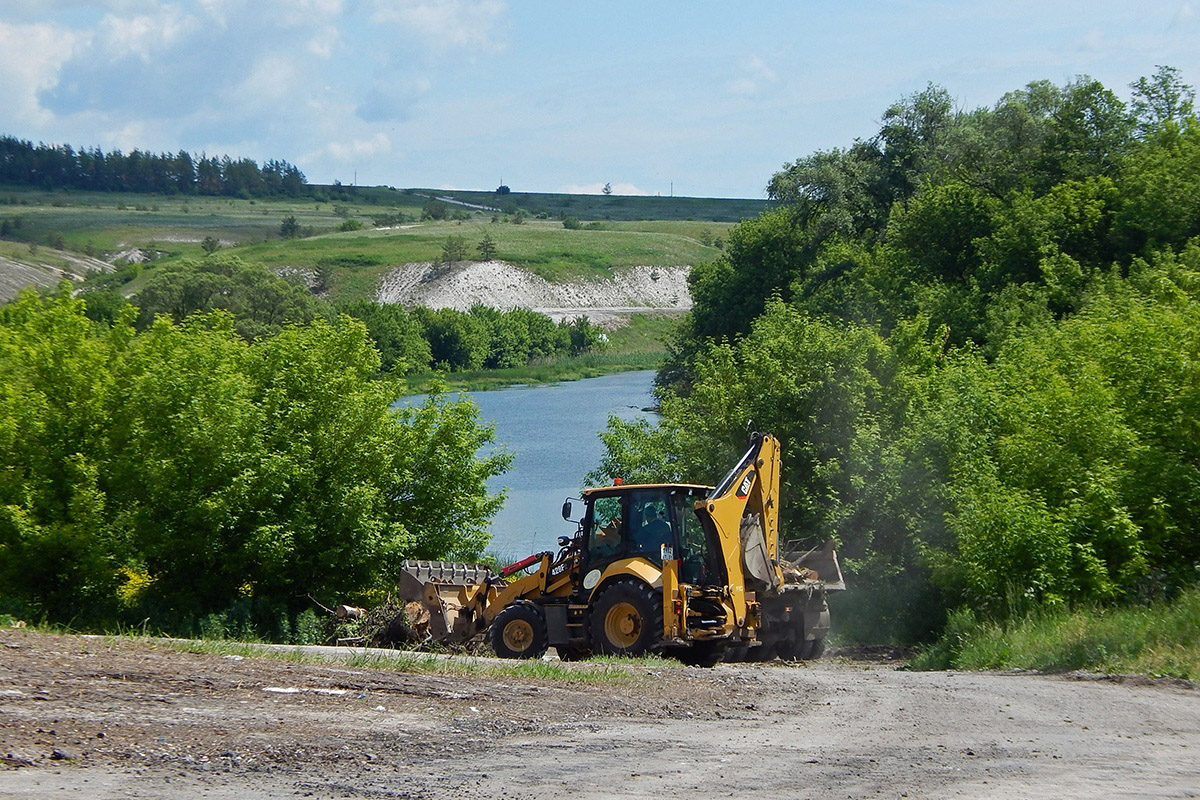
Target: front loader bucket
point(450, 591)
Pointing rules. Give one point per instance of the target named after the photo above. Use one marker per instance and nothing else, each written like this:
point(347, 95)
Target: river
point(553, 431)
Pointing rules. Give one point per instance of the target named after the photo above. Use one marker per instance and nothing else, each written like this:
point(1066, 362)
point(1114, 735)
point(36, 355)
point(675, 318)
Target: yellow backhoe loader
point(695, 572)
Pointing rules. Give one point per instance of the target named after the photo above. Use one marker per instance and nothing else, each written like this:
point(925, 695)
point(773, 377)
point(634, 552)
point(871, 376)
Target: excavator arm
point(742, 515)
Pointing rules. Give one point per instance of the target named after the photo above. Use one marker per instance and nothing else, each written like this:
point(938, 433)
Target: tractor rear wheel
point(789, 649)
point(764, 652)
point(813, 649)
point(626, 619)
point(519, 631)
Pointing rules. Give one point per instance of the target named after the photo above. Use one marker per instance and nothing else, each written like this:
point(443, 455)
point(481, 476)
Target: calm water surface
point(553, 430)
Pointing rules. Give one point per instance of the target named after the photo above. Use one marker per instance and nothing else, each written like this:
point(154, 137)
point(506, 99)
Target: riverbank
point(571, 368)
point(636, 346)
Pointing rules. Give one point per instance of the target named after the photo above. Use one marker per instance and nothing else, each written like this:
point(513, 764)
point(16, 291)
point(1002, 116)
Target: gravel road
point(132, 718)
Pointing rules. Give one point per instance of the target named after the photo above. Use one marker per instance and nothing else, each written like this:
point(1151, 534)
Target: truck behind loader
point(695, 572)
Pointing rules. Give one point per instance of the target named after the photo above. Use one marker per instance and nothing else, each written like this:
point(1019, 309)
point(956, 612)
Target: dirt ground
point(99, 718)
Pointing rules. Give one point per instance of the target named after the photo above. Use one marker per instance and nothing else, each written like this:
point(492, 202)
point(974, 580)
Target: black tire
point(568, 652)
point(519, 631)
point(764, 652)
point(626, 619)
point(789, 649)
point(813, 649)
point(735, 653)
point(702, 654)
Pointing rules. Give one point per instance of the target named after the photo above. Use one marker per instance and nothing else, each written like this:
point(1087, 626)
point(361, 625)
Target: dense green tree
point(175, 472)
point(1162, 100)
point(457, 341)
point(397, 334)
point(977, 336)
point(584, 337)
point(62, 167)
point(434, 209)
point(1160, 190)
point(764, 256)
point(260, 301)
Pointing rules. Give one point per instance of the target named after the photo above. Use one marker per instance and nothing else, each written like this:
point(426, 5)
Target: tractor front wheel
point(519, 631)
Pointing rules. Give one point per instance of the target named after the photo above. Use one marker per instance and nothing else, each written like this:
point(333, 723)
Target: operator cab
point(654, 522)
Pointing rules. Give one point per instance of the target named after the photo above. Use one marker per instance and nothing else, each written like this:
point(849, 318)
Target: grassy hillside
point(614, 207)
point(173, 227)
point(110, 222)
point(358, 259)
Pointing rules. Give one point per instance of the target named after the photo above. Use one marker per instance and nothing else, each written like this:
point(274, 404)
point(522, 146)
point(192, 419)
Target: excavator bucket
point(451, 592)
point(821, 560)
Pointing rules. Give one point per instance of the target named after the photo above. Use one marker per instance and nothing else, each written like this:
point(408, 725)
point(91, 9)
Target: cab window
point(695, 556)
point(604, 538)
point(650, 533)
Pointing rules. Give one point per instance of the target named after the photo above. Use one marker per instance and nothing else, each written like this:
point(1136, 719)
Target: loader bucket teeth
point(448, 572)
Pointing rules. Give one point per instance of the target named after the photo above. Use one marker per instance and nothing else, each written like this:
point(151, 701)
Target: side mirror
point(566, 510)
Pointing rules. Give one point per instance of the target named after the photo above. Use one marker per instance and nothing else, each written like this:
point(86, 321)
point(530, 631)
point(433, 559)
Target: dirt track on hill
point(128, 718)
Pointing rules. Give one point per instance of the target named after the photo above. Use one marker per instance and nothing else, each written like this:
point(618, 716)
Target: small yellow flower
point(136, 582)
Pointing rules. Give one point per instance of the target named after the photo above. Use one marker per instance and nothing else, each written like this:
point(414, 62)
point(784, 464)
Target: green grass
point(44, 256)
point(174, 224)
point(615, 207)
point(173, 227)
point(645, 333)
point(545, 248)
point(598, 671)
point(692, 230)
point(1161, 640)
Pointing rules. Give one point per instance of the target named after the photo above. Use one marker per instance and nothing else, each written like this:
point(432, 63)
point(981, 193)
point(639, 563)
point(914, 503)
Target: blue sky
point(709, 98)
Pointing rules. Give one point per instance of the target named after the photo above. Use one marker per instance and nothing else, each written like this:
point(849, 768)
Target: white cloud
point(756, 74)
point(598, 188)
point(321, 45)
point(305, 13)
point(130, 135)
point(217, 10)
point(330, 8)
point(40, 9)
point(346, 152)
point(759, 67)
point(273, 77)
point(743, 87)
point(143, 34)
point(445, 24)
point(31, 58)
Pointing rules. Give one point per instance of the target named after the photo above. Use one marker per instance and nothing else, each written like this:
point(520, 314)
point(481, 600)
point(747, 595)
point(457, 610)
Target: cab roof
point(625, 487)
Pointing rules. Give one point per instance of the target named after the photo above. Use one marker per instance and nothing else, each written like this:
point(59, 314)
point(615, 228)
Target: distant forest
point(22, 163)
